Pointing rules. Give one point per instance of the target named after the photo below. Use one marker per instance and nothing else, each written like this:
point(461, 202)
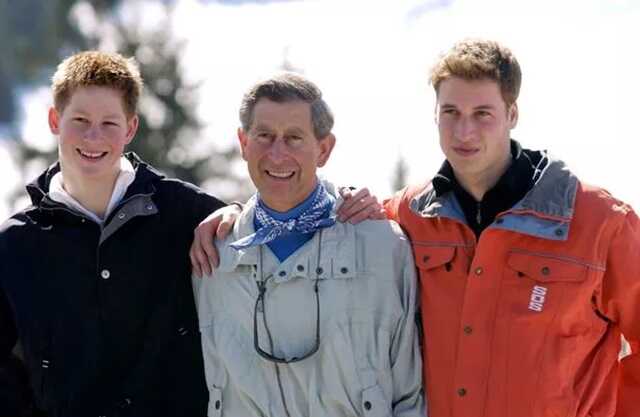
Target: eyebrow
point(290, 131)
point(480, 107)
point(261, 127)
point(78, 112)
point(295, 131)
point(485, 107)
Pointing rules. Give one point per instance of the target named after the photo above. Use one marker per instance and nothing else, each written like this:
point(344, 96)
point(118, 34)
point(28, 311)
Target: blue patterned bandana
point(314, 218)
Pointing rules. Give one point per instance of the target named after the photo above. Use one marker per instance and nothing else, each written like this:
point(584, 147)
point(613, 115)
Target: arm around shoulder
point(198, 203)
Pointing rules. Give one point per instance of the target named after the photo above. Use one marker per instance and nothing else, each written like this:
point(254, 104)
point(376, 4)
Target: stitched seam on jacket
point(560, 258)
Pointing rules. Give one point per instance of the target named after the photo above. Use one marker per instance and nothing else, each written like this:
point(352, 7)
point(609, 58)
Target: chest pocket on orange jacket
point(536, 286)
point(442, 275)
point(434, 258)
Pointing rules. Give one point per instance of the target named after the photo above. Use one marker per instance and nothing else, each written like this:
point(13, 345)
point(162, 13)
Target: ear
point(243, 139)
point(513, 115)
point(132, 128)
point(54, 121)
point(326, 145)
point(435, 114)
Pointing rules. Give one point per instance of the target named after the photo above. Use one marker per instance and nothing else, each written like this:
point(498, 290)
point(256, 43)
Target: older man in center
point(305, 316)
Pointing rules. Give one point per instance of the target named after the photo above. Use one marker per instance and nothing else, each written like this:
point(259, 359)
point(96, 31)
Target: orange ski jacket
point(527, 320)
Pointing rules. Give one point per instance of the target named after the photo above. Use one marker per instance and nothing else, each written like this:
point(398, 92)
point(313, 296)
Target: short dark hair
point(284, 87)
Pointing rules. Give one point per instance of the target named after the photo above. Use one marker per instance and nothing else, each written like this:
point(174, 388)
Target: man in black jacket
point(94, 275)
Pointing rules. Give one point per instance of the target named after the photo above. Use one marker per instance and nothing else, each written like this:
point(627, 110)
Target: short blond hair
point(102, 69)
point(477, 59)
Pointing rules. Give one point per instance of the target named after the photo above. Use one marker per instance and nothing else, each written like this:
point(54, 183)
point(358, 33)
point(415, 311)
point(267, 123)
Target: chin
point(98, 172)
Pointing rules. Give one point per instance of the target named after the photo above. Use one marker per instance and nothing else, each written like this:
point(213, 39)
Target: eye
point(294, 141)
point(483, 114)
point(263, 137)
point(79, 119)
point(109, 123)
point(449, 112)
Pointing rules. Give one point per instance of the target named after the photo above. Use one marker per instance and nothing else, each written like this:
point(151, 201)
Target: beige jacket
point(368, 362)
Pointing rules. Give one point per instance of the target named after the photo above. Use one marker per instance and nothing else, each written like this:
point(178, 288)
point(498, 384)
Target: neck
point(288, 211)
point(478, 185)
point(94, 195)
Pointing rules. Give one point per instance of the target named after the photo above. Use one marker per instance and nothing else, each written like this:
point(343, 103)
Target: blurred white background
point(579, 96)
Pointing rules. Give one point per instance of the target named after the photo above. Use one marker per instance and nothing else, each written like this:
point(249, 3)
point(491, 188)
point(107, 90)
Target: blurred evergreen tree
point(33, 36)
point(400, 173)
point(170, 136)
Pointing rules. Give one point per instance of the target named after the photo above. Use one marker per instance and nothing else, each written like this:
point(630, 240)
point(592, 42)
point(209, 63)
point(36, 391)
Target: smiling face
point(282, 153)
point(92, 131)
point(474, 125)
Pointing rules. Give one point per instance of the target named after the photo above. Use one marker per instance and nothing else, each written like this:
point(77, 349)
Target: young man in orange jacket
point(528, 276)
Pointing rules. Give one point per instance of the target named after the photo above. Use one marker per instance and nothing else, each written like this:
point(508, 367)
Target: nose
point(92, 133)
point(465, 129)
point(278, 150)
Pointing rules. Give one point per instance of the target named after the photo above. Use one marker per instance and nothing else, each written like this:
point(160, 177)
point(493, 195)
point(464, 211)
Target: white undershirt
point(125, 178)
